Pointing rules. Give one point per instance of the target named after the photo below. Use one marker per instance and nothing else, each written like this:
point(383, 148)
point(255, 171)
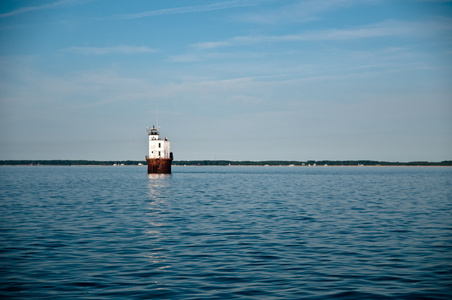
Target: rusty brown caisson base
point(159, 165)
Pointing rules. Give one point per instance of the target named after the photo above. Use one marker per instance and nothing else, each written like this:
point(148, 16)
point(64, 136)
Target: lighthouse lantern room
point(159, 157)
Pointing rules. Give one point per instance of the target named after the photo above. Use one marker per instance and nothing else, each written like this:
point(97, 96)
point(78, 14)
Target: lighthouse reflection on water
point(158, 208)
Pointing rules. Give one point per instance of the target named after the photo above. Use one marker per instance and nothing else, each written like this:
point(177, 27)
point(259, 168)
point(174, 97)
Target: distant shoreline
point(309, 163)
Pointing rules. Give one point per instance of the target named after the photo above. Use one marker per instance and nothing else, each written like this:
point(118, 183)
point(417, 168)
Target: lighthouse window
point(159, 145)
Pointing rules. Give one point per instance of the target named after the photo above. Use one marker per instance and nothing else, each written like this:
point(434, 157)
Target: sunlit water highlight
point(225, 233)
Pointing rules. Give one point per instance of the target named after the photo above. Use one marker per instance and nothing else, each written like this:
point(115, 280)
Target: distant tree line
point(308, 163)
point(224, 163)
point(68, 162)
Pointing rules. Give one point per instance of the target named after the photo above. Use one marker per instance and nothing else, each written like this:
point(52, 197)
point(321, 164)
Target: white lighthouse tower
point(159, 157)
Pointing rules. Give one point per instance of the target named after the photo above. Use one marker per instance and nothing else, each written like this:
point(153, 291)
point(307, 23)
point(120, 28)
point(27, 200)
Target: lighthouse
point(159, 157)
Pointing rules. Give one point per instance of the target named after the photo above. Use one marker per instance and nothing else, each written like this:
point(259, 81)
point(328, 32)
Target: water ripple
point(225, 233)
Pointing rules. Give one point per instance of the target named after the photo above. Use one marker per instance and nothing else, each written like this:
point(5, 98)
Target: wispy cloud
point(435, 1)
point(190, 9)
point(298, 11)
point(110, 50)
point(36, 7)
point(382, 29)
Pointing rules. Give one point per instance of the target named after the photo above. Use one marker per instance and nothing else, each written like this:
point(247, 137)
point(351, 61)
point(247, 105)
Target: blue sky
point(230, 79)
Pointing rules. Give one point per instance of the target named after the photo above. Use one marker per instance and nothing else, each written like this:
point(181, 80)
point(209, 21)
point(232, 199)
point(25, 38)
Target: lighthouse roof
point(152, 131)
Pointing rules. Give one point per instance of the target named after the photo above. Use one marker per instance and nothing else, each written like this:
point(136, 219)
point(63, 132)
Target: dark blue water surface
point(225, 233)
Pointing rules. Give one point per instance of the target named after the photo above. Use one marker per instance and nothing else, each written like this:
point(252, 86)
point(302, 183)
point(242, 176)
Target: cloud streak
point(110, 50)
point(34, 8)
point(298, 11)
point(190, 9)
point(382, 29)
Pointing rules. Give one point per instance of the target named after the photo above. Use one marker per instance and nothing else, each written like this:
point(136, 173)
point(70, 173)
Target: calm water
point(225, 233)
